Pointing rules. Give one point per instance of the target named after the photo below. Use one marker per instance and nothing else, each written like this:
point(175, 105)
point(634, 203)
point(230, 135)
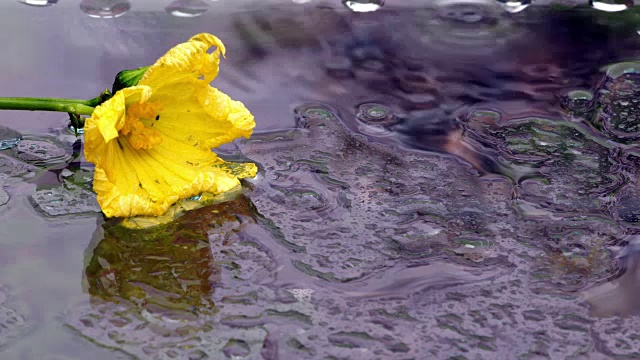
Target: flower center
point(139, 135)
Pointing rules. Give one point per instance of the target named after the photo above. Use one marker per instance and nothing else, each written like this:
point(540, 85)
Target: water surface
point(449, 180)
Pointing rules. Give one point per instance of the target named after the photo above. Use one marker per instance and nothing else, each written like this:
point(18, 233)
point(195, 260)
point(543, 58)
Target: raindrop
point(513, 7)
point(578, 100)
point(376, 114)
point(611, 5)
point(9, 138)
point(363, 5)
point(187, 8)
point(39, 2)
point(310, 115)
point(317, 114)
point(105, 8)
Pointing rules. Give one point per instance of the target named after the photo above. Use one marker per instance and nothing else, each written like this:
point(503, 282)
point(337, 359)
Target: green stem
point(73, 106)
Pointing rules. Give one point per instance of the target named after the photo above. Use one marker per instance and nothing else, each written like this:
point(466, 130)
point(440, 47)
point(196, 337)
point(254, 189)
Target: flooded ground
point(455, 180)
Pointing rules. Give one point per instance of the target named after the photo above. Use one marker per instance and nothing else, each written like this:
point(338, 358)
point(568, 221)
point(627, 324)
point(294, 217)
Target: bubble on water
point(317, 114)
point(376, 114)
point(9, 138)
point(105, 8)
point(41, 152)
point(474, 27)
point(466, 12)
point(65, 200)
point(578, 100)
point(4, 197)
point(514, 6)
point(38, 2)
point(363, 5)
point(616, 70)
point(611, 5)
point(313, 115)
point(187, 8)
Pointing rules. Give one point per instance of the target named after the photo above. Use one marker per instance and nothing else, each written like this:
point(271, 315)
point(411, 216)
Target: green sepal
point(128, 78)
point(77, 122)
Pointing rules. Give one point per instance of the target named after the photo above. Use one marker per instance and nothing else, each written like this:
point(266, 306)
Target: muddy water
point(451, 180)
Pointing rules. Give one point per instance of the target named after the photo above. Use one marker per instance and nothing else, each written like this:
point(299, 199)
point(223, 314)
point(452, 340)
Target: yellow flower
point(151, 143)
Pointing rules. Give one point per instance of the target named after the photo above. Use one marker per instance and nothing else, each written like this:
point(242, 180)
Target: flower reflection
point(167, 268)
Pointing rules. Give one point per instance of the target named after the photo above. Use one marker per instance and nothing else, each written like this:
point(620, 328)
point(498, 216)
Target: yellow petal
point(206, 119)
point(147, 182)
point(188, 60)
point(110, 116)
point(151, 143)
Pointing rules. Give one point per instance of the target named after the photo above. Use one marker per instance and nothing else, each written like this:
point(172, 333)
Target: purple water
point(443, 181)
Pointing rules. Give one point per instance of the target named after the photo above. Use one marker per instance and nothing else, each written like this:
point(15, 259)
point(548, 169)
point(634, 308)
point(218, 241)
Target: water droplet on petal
point(105, 8)
point(363, 5)
point(376, 114)
point(9, 138)
point(38, 2)
point(516, 6)
point(187, 8)
point(611, 5)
